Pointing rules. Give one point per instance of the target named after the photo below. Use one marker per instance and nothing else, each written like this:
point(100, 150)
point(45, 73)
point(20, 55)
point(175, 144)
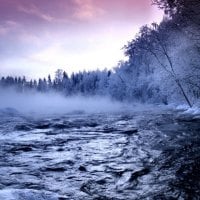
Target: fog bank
point(53, 103)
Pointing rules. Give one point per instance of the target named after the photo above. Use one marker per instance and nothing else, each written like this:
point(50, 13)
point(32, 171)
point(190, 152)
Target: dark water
point(122, 156)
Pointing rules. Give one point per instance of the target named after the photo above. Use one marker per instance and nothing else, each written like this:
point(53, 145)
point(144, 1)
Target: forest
point(163, 64)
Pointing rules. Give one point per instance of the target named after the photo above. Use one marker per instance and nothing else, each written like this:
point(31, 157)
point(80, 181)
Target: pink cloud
point(64, 11)
point(87, 10)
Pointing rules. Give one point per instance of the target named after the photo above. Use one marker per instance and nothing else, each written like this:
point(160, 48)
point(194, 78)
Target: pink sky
point(39, 36)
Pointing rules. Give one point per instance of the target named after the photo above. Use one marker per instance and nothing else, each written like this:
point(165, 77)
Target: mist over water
point(54, 103)
point(55, 147)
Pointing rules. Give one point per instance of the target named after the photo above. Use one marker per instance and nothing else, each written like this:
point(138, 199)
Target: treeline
point(99, 83)
point(163, 64)
point(84, 83)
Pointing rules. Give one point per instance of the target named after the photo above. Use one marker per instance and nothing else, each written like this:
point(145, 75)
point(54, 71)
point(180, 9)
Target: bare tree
point(154, 41)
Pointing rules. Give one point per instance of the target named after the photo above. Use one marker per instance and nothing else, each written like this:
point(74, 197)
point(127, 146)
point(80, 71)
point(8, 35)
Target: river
point(149, 154)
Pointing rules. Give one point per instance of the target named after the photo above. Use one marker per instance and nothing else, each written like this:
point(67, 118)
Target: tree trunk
point(183, 92)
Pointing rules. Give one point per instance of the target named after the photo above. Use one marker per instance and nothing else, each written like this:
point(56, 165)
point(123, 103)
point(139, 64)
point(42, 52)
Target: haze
point(54, 103)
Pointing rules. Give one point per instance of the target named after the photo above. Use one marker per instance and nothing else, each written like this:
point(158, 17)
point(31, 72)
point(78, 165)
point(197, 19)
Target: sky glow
point(38, 37)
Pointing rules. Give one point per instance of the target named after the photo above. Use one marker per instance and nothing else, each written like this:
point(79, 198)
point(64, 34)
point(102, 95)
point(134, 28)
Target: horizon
point(37, 38)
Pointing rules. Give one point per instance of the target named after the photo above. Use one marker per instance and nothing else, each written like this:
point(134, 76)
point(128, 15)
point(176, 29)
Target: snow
point(184, 109)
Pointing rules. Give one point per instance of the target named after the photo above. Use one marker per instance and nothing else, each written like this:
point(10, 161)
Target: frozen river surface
point(122, 156)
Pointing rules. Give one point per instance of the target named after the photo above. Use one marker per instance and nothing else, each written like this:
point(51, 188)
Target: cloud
point(33, 10)
point(72, 11)
point(87, 10)
point(99, 52)
point(60, 33)
point(8, 26)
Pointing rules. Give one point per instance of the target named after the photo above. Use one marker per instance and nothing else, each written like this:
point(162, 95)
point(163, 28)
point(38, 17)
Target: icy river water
point(152, 154)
